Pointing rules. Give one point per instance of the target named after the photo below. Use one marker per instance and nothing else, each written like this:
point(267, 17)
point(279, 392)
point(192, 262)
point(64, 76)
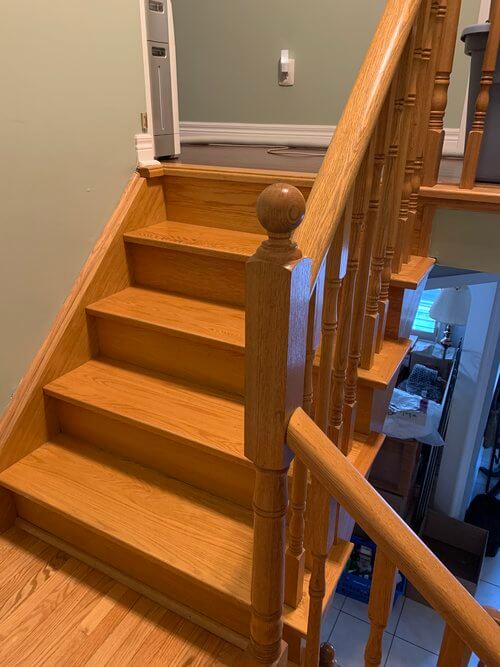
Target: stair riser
point(176, 585)
point(195, 465)
point(191, 274)
point(216, 203)
point(197, 360)
point(403, 305)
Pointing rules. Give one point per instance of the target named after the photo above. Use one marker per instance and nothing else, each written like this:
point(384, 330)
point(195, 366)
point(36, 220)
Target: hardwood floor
point(55, 610)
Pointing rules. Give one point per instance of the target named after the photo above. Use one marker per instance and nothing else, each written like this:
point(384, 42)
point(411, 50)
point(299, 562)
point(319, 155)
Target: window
point(422, 322)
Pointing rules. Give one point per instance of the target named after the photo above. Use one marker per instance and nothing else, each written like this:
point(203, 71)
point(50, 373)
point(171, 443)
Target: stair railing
point(468, 626)
point(439, 98)
point(317, 304)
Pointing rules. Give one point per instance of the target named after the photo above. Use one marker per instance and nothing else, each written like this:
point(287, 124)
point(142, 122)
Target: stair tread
point(157, 403)
point(186, 315)
point(227, 243)
point(412, 273)
point(386, 363)
point(195, 534)
point(220, 323)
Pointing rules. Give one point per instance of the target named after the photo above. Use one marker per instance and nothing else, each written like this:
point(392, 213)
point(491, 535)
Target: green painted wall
point(72, 91)
point(467, 239)
point(228, 53)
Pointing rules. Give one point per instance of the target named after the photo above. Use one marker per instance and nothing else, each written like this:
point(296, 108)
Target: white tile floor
point(414, 631)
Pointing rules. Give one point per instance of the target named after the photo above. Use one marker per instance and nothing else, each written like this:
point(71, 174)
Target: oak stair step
point(199, 341)
point(191, 545)
point(230, 244)
point(412, 273)
point(182, 429)
point(197, 239)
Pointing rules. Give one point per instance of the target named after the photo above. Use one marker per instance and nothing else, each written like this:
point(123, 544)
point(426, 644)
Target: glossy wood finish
point(295, 554)
point(358, 266)
point(7, 510)
point(276, 274)
point(453, 651)
point(58, 611)
point(481, 197)
point(25, 425)
point(395, 538)
point(444, 66)
point(340, 167)
point(475, 137)
point(377, 209)
point(391, 197)
point(379, 607)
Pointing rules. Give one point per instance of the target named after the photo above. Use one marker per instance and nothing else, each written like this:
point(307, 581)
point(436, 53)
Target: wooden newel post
point(277, 304)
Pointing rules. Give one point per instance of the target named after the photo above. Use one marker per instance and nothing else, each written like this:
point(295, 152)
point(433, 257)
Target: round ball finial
point(281, 209)
point(327, 655)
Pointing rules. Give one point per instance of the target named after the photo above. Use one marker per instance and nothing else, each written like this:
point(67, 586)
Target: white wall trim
point(317, 136)
point(145, 149)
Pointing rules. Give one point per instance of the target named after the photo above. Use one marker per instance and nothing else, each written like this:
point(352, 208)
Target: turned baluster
point(495, 615)
point(341, 348)
point(396, 160)
point(419, 127)
point(439, 100)
point(322, 535)
point(327, 655)
point(336, 265)
point(408, 137)
point(295, 554)
point(364, 216)
point(380, 606)
point(453, 652)
point(475, 137)
point(382, 169)
point(277, 280)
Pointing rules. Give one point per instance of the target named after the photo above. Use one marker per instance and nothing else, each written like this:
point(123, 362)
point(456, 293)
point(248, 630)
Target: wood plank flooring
point(55, 610)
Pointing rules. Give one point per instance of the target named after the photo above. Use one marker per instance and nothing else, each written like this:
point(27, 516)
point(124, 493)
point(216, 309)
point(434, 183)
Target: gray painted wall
point(72, 92)
point(228, 52)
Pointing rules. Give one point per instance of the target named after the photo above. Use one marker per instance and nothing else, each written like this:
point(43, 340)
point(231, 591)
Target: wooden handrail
point(344, 483)
point(340, 167)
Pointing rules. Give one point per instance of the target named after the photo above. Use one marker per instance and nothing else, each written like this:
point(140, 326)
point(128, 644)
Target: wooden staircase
point(143, 467)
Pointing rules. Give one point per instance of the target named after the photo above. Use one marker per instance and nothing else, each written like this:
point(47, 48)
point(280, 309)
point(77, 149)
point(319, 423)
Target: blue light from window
point(422, 321)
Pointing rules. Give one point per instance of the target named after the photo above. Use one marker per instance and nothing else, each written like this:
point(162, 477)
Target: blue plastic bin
point(357, 587)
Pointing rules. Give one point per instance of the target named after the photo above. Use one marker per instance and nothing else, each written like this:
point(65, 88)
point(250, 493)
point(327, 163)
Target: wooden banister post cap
point(280, 210)
point(327, 655)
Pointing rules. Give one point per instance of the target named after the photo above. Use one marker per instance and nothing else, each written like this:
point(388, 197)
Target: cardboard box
point(458, 545)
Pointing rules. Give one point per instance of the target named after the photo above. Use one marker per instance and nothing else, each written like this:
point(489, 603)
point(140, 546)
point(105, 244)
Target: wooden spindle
point(372, 315)
point(380, 606)
point(365, 216)
point(322, 535)
point(454, 652)
point(391, 197)
point(475, 137)
point(327, 655)
point(439, 100)
point(295, 554)
point(358, 207)
point(419, 127)
point(277, 277)
point(495, 615)
point(336, 265)
point(408, 130)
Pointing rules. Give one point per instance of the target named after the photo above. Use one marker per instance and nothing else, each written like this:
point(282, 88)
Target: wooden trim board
point(70, 341)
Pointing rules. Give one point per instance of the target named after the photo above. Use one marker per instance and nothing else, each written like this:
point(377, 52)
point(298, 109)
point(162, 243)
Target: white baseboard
point(317, 136)
point(145, 149)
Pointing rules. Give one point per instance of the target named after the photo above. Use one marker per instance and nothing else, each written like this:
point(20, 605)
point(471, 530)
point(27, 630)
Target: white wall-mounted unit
point(161, 77)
